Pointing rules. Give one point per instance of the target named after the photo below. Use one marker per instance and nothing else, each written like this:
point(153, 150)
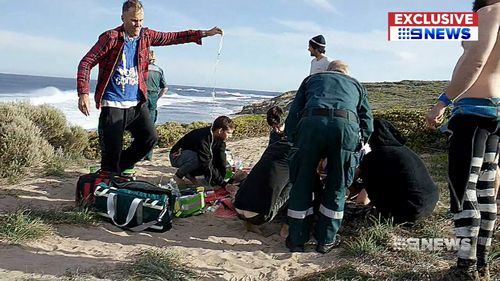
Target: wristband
point(444, 99)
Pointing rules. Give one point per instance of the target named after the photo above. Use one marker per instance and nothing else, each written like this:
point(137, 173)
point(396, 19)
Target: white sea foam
point(190, 90)
point(182, 104)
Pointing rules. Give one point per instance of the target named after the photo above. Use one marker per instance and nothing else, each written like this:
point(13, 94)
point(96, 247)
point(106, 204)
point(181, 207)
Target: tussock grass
point(77, 216)
point(494, 255)
point(159, 265)
point(411, 275)
point(20, 226)
point(88, 275)
point(345, 272)
point(372, 239)
point(56, 166)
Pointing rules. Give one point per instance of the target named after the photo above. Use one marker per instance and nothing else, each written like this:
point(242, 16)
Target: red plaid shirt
point(108, 49)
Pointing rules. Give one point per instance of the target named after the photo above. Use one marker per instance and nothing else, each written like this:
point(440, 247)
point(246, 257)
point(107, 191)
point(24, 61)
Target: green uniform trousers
point(153, 113)
point(337, 139)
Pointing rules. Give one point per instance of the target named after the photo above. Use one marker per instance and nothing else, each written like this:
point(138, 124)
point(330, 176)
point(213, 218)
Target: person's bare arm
point(476, 53)
point(471, 63)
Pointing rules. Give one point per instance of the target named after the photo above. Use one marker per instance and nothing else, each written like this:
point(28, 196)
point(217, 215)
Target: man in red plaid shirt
point(122, 54)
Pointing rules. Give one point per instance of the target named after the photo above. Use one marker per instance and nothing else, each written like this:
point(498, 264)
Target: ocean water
point(182, 104)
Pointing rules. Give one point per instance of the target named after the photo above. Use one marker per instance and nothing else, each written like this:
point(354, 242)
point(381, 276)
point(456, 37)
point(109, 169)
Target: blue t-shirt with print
point(123, 88)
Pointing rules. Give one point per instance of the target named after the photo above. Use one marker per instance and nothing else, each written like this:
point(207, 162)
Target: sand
point(217, 248)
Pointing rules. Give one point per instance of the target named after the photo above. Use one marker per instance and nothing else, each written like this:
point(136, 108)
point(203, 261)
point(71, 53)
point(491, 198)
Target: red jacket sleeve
point(173, 38)
point(91, 59)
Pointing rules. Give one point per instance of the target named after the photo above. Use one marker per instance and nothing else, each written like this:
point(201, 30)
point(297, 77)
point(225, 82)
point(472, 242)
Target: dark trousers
point(187, 163)
point(113, 122)
point(278, 207)
point(318, 137)
point(473, 161)
point(153, 113)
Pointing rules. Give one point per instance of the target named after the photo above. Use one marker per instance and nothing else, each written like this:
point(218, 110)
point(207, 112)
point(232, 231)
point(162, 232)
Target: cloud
point(42, 55)
point(370, 55)
point(43, 44)
point(300, 26)
point(322, 4)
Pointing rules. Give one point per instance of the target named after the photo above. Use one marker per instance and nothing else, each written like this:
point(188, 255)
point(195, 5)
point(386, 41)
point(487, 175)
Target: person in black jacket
point(203, 152)
point(395, 178)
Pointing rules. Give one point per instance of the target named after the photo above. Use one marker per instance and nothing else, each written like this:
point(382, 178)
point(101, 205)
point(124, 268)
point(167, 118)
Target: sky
point(264, 46)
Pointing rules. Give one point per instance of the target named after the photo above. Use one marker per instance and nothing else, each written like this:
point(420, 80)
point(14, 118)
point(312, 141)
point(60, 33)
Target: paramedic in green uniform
point(328, 118)
point(157, 87)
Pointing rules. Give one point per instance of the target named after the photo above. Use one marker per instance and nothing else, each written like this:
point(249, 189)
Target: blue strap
point(444, 99)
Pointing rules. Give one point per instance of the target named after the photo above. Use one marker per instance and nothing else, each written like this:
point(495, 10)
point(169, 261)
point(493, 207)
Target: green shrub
point(76, 141)
point(250, 126)
point(93, 150)
point(50, 120)
point(411, 123)
point(169, 133)
point(21, 144)
point(195, 125)
point(57, 164)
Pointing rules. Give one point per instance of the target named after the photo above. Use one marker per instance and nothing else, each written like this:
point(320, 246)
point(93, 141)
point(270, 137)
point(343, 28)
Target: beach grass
point(372, 239)
point(159, 265)
point(76, 216)
point(343, 272)
point(26, 225)
point(20, 226)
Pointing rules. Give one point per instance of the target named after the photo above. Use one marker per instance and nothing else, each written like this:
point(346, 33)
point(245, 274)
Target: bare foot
point(239, 176)
point(232, 189)
point(284, 231)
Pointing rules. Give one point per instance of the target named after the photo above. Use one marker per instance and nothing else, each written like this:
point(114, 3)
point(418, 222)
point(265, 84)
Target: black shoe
point(294, 248)
point(325, 248)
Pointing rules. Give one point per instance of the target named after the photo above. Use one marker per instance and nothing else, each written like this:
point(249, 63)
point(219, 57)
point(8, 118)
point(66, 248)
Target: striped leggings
point(473, 161)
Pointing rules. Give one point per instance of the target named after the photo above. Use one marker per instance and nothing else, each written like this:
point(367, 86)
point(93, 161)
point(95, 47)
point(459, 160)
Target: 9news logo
point(432, 26)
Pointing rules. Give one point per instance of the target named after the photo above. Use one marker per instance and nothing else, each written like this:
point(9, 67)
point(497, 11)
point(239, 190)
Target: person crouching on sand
point(203, 152)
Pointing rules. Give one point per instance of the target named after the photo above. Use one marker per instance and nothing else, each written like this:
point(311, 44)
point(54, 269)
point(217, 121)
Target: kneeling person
point(395, 178)
point(203, 152)
point(266, 189)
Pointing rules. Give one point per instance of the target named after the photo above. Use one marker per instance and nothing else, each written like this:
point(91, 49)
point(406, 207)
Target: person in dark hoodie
point(276, 123)
point(203, 152)
point(395, 178)
point(266, 189)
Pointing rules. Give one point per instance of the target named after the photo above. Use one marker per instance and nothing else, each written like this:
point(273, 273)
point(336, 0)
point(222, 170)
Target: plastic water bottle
point(238, 165)
point(172, 184)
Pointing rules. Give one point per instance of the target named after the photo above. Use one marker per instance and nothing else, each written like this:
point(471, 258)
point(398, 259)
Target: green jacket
point(156, 80)
point(332, 90)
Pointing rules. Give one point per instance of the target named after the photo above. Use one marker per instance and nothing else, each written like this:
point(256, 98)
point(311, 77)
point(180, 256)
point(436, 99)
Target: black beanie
point(318, 42)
